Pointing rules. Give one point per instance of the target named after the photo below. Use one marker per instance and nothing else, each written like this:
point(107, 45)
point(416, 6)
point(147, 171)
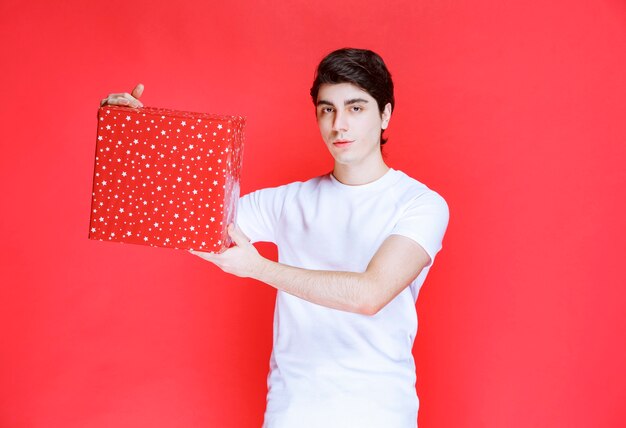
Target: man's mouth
point(342, 143)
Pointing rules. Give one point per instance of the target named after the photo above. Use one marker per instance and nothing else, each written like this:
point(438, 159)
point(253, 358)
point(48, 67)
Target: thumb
point(238, 237)
point(138, 90)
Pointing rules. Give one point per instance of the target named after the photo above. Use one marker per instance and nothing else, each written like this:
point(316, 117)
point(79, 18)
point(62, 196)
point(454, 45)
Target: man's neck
point(356, 175)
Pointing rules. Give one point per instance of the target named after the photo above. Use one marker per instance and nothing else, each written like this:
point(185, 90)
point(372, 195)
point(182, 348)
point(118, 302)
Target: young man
point(354, 247)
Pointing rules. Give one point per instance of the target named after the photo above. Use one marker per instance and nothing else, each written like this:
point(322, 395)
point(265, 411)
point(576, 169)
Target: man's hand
point(242, 260)
point(125, 99)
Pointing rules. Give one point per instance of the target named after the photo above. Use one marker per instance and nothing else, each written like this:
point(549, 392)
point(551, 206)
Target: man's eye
point(327, 110)
point(357, 108)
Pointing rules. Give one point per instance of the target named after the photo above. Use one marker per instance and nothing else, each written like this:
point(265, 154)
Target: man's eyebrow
point(355, 101)
point(346, 103)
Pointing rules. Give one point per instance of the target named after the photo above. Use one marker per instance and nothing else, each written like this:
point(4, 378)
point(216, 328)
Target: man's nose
point(340, 123)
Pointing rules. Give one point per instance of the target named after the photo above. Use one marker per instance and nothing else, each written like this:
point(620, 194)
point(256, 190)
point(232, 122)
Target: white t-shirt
point(331, 368)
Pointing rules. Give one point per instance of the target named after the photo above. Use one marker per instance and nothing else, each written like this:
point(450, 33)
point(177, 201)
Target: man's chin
point(344, 160)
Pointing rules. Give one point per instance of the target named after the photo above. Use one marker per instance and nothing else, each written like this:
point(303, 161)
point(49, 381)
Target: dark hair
point(361, 67)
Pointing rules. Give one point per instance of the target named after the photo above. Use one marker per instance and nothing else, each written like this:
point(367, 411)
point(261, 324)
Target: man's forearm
point(347, 291)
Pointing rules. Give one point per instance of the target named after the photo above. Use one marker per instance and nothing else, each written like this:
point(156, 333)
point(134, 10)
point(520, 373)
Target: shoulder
point(423, 216)
point(414, 192)
point(285, 190)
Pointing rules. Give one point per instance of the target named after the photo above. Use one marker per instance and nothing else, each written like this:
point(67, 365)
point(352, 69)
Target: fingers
point(137, 91)
point(237, 236)
point(217, 259)
point(203, 255)
point(121, 100)
point(125, 99)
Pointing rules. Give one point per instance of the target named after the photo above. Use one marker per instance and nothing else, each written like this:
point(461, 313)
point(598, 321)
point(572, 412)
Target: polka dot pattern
point(166, 178)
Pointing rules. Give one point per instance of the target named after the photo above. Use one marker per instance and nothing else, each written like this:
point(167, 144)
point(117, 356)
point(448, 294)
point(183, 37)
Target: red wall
point(514, 112)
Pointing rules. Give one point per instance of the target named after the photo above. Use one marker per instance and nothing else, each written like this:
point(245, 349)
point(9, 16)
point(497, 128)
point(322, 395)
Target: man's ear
point(386, 116)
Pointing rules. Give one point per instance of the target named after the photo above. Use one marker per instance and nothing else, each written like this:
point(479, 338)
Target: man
point(354, 247)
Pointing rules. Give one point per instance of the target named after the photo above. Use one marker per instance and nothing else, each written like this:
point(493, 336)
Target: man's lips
point(342, 143)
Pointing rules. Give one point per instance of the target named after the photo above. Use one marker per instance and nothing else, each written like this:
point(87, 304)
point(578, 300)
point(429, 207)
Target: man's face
point(350, 123)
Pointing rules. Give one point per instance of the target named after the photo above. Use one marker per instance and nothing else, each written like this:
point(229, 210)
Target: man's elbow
point(369, 310)
point(372, 302)
point(370, 307)
point(378, 295)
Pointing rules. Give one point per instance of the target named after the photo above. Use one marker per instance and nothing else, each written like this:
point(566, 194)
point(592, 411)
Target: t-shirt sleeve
point(258, 213)
point(425, 221)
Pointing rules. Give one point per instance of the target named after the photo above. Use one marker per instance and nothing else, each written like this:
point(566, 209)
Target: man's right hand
point(125, 99)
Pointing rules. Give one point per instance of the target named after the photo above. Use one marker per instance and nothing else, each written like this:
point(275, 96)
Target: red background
point(512, 110)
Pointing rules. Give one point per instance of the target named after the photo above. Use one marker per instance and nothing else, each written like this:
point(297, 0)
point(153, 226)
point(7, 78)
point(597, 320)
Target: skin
point(125, 99)
point(350, 124)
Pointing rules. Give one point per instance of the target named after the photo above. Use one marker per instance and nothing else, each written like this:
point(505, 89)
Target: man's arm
point(395, 265)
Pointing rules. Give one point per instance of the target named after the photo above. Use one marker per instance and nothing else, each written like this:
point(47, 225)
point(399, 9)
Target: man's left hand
point(242, 260)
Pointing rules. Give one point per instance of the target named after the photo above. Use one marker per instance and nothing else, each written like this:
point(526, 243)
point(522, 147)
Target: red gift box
point(166, 178)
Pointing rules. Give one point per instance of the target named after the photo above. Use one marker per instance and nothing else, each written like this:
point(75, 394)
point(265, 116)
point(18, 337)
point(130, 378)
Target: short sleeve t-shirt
point(328, 367)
